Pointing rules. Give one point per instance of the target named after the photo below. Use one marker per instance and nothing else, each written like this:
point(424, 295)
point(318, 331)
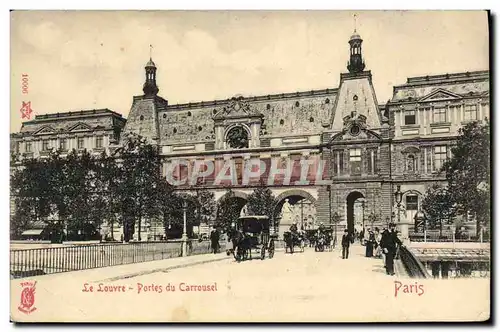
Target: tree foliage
point(262, 202)
point(139, 181)
point(228, 211)
point(468, 171)
point(468, 178)
point(438, 207)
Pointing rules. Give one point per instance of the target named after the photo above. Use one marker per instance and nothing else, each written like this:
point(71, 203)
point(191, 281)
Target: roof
point(254, 217)
point(70, 121)
point(355, 36)
point(463, 84)
point(32, 232)
point(150, 63)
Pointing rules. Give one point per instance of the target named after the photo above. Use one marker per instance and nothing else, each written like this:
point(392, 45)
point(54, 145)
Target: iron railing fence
point(459, 269)
point(434, 236)
point(40, 261)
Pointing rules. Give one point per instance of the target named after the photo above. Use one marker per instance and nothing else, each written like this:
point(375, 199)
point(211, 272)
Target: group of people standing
point(378, 244)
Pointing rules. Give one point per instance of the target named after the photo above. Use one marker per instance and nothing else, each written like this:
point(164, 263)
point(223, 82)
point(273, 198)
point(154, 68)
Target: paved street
point(307, 286)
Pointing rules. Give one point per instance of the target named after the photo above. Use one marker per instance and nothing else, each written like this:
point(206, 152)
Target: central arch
point(351, 201)
point(295, 206)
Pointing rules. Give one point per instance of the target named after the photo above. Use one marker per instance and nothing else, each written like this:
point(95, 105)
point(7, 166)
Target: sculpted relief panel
point(187, 125)
point(458, 88)
point(296, 116)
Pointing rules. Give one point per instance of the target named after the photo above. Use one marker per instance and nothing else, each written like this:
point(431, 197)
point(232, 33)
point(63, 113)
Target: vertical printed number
point(24, 83)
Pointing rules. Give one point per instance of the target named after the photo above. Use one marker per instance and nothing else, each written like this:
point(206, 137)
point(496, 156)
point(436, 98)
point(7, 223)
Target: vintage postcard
point(250, 166)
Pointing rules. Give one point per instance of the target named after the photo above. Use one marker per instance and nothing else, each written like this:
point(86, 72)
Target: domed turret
point(150, 88)
point(356, 63)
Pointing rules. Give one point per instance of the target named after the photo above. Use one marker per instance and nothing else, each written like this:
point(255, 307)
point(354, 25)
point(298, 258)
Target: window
point(355, 161)
point(62, 144)
point(410, 118)
point(45, 145)
point(338, 162)
point(486, 111)
point(412, 202)
point(439, 115)
point(98, 142)
point(28, 146)
point(470, 112)
point(411, 206)
point(372, 161)
point(80, 142)
point(439, 157)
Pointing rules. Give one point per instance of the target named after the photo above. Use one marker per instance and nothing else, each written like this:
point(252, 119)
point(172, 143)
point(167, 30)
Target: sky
point(87, 60)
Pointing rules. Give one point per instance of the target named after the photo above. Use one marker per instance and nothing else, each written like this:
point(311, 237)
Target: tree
point(32, 192)
point(140, 179)
point(228, 211)
point(468, 171)
point(76, 192)
point(206, 206)
point(438, 207)
point(104, 198)
point(262, 202)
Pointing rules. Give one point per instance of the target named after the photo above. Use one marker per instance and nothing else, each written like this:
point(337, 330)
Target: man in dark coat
point(214, 237)
point(389, 244)
point(346, 242)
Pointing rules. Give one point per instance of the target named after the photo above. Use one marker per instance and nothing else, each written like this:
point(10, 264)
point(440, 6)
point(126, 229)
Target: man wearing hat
point(389, 243)
point(346, 242)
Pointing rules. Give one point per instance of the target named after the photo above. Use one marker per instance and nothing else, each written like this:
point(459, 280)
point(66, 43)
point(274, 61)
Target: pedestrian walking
point(370, 243)
point(346, 242)
point(390, 244)
point(214, 237)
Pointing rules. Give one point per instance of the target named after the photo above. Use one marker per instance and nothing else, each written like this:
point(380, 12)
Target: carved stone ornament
point(237, 107)
point(354, 124)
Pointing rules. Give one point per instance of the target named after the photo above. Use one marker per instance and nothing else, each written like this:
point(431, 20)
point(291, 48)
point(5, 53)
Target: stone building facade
point(369, 148)
point(93, 130)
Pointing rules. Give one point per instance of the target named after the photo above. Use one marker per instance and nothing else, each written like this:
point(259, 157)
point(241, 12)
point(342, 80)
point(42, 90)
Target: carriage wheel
point(263, 252)
point(271, 249)
point(245, 254)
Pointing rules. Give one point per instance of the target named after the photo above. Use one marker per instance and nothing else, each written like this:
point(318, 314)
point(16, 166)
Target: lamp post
point(336, 219)
point(184, 229)
point(453, 230)
point(420, 220)
point(398, 196)
point(372, 217)
point(363, 211)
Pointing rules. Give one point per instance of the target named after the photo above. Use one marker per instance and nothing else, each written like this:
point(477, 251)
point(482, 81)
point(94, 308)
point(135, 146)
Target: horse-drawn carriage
point(252, 233)
point(324, 240)
point(292, 240)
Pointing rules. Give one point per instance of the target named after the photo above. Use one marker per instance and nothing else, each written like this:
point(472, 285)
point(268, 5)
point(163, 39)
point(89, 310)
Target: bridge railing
point(414, 268)
point(435, 236)
point(39, 261)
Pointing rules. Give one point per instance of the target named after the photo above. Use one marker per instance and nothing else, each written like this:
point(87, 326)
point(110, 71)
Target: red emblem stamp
point(26, 110)
point(27, 297)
